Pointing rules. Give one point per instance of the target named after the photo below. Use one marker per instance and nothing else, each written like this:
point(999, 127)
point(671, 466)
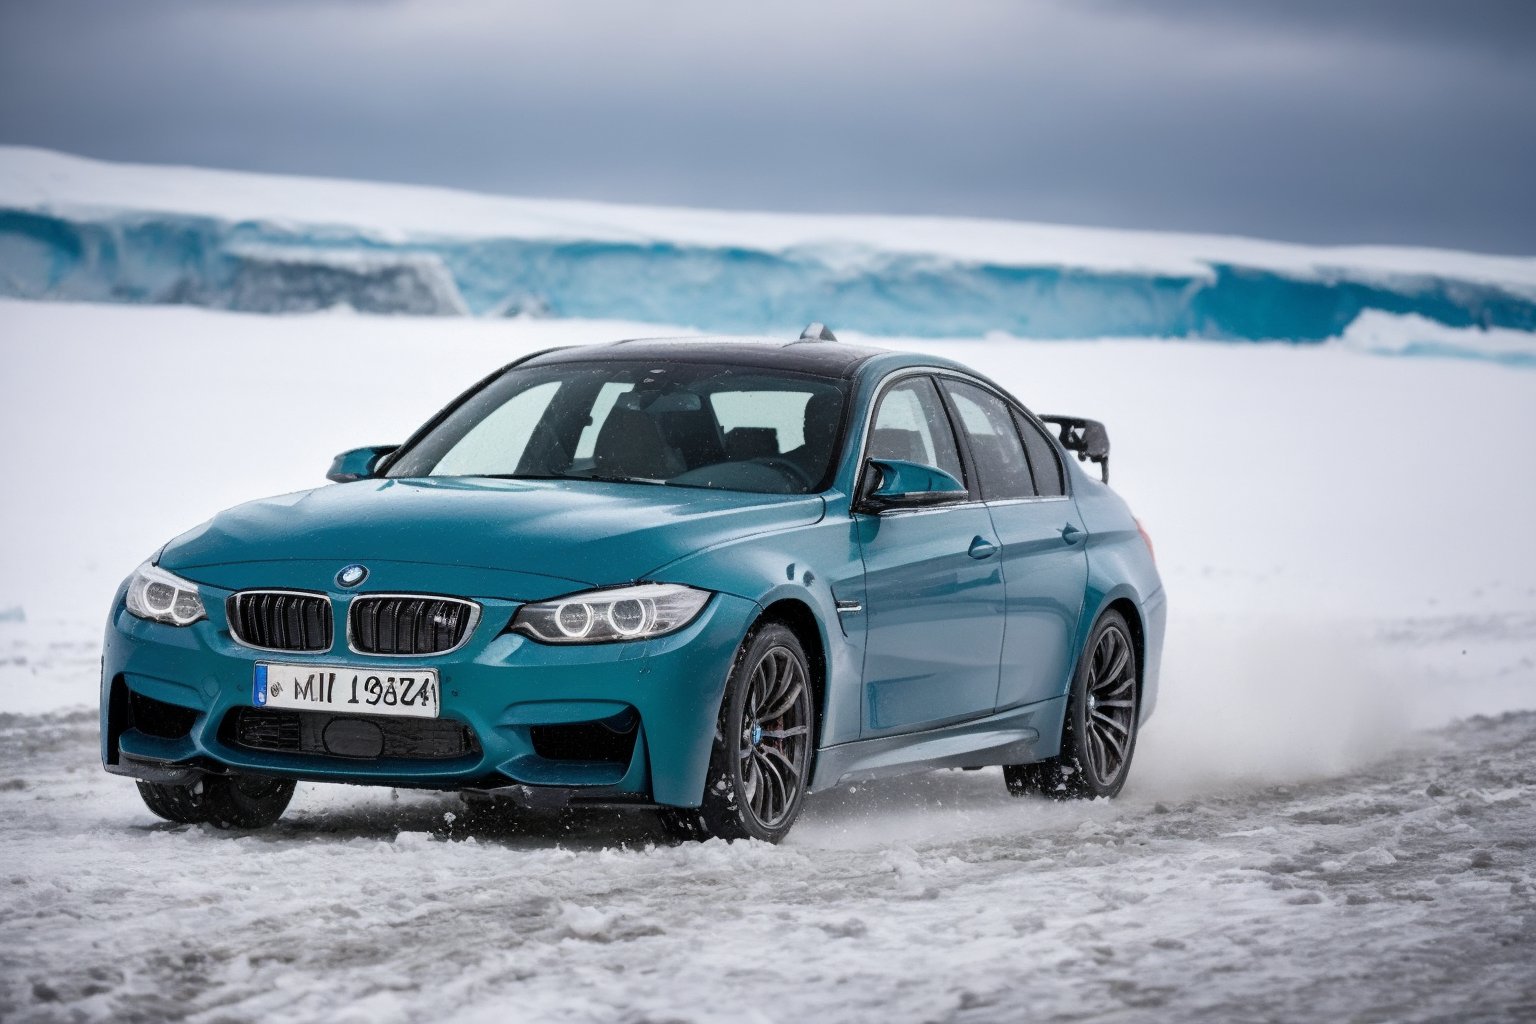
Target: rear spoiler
point(1087, 438)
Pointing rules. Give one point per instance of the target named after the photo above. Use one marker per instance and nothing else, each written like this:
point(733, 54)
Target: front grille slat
point(281, 621)
point(317, 621)
point(367, 616)
point(405, 624)
point(389, 618)
point(434, 632)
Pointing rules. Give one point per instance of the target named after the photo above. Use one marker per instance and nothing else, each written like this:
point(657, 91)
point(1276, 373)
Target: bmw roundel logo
point(351, 575)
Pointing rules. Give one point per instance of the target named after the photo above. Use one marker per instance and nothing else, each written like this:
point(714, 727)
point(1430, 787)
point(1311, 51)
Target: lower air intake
point(350, 736)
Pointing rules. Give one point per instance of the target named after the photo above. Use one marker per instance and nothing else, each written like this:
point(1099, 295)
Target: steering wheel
point(788, 467)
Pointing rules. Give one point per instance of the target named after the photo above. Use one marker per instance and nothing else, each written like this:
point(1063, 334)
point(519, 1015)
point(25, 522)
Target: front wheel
point(1099, 734)
point(223, 801)
point(760, 763)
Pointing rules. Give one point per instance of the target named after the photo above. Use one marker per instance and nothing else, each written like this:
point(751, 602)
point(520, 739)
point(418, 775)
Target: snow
point(1402, 892)
point(1385, 334)
point(1347, 548)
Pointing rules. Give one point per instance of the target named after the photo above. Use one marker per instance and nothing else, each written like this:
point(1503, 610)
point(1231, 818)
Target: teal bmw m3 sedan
point(704, 576)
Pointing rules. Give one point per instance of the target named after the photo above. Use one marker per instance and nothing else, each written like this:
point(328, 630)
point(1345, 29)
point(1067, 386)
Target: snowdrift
point(73, 229)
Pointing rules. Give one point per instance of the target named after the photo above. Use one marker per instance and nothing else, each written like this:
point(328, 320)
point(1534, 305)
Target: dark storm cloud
point(1403, 121)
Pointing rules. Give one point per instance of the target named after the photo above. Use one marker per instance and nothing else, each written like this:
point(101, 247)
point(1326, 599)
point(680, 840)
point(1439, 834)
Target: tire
point(246, 801)
point(1098, 737)
point(182, 804)
point(223, 801)
point(760, 762)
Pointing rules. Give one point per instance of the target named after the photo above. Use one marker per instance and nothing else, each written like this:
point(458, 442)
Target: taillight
point(1143, 531)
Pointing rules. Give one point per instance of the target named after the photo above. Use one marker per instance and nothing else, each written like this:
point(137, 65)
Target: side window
point(1043, 459)
point(994, 442)
point(911, 425)
point(496, 444)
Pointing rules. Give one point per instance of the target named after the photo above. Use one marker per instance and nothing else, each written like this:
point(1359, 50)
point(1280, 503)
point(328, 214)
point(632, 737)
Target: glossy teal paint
point(584, 531)
point(500, 685)
point(946, 635)
point(1120, 568)
point(934, 612)
point(1045, 569)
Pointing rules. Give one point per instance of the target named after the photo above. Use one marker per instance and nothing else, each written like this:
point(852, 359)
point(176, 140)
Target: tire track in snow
point(1403, 891)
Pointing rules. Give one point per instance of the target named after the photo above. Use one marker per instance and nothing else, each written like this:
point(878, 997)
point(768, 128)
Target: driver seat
point(631, 443)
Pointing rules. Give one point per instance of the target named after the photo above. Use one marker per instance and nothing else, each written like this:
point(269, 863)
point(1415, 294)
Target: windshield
point(684, 424)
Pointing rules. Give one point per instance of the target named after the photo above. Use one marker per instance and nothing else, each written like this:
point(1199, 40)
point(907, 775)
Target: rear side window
point(993, 440)
point(911, 426)
point(1043, 460)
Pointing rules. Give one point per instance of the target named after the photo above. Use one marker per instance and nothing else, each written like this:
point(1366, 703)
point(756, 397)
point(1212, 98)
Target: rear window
point(1044, 462)
point(994, 441)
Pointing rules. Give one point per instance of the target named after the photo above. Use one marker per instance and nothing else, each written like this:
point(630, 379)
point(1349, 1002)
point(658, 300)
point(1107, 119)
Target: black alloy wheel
point(760, 764)
point(1099, 734)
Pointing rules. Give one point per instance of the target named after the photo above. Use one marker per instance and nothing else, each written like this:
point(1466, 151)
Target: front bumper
point(506, 689)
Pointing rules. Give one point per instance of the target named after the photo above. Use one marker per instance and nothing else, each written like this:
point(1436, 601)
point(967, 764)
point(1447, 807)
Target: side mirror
point(903, 484)
point(359, 463)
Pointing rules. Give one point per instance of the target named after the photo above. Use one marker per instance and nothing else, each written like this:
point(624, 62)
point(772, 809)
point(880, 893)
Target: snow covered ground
point(1399, 892)
point(1347, 545)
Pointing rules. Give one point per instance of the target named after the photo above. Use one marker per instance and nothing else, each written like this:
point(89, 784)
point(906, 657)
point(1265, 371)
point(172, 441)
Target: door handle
point(1070, 533)
point(982, 548)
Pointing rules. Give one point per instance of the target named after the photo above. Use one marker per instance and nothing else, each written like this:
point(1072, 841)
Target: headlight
point(155, 594)
point(604, 616)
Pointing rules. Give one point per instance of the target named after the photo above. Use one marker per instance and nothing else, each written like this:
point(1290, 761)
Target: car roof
point(827, 358)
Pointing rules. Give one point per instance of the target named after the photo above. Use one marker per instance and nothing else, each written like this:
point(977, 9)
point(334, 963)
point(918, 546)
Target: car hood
point(551, 535)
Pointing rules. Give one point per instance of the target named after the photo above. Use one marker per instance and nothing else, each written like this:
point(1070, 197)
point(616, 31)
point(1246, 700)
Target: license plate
point(409, 693)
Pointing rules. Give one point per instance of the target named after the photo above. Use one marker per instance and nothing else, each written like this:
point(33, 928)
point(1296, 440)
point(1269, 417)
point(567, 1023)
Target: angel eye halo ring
point(635, 612)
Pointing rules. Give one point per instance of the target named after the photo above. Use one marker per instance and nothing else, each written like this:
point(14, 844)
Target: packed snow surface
point(78, 229)
point(1402, 891)
point(1318, 825)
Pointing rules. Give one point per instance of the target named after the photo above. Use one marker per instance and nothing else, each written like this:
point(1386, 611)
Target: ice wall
point(271, 267)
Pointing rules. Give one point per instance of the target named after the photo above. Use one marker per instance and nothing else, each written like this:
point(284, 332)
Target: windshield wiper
point(573, 476)
point(620, 480)
point(522, 476)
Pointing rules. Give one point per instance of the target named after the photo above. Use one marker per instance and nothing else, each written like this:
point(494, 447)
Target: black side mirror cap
point(895, 483)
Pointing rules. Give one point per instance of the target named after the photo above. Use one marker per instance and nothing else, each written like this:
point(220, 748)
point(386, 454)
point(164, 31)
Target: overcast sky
point(1404, 121)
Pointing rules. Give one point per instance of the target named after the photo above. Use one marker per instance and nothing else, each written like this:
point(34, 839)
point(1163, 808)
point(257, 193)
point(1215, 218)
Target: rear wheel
point(760, 763)
point(1099, 734)
point(223, 801)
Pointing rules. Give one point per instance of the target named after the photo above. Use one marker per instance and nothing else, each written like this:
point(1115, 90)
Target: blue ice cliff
point(78, 230)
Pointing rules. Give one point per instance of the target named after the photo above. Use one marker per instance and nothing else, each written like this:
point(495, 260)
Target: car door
point(1045, 564)
point(933, 594)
